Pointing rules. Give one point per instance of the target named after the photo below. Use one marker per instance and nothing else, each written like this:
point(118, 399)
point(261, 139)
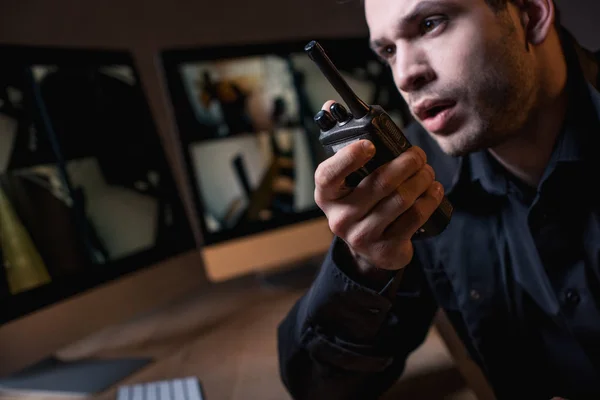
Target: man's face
point(463, 68)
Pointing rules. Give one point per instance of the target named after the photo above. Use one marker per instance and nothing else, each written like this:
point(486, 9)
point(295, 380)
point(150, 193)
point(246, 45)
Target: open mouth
point(432, 108)
point(435, 110)
point(436, 115)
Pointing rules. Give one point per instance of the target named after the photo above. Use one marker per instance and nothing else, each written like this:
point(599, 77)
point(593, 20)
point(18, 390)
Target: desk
point(227, 338)
point(233, 354)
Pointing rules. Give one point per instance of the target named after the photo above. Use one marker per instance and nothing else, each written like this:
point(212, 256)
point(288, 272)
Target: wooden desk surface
point(234, 355)
point(227, 338)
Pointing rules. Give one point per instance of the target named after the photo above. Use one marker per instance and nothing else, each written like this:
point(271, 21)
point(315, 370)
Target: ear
point(537, 19)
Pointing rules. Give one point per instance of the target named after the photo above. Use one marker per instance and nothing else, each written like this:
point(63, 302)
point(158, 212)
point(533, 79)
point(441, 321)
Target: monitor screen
point(86, 193)
point(245, 118)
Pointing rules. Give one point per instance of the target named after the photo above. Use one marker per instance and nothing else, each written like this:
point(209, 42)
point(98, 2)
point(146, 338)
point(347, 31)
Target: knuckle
point(382, 182)
point(323, 176)
point(430, 173)
point(400, 199)
point(358, 238)
point(439, 191)
point(415, 162)
point(319, 198)
point(339, 222)
point(420, 214)
point(336, 226)
point(422, 155)
point(426, 179)
point(435, 193)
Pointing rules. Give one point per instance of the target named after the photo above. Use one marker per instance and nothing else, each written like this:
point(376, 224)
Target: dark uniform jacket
point(517, 272)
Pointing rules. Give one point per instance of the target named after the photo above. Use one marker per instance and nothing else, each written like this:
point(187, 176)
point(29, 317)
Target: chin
point(459, 144)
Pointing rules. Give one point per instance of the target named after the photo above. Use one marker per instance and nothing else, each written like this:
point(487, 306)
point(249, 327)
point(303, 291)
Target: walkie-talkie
point(340, 127)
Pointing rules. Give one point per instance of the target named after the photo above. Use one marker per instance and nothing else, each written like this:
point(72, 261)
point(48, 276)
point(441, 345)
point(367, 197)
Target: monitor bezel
point(21, 304)
point(355, 47)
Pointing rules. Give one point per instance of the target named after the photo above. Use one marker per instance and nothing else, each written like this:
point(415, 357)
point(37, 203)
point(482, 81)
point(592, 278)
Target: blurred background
point(203, 316)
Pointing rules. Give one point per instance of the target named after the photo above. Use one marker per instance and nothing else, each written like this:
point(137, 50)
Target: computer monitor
point(88, 204)
point(244, 114)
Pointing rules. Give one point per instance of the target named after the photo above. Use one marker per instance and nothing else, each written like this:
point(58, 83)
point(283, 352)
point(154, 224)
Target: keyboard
point(188, 388)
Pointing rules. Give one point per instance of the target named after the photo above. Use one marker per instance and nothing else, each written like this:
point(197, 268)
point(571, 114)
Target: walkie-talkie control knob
point(339, 112)
point(324, 120)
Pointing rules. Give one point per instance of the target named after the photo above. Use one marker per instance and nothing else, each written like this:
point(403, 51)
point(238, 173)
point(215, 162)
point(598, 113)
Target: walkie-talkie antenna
point(357, 107)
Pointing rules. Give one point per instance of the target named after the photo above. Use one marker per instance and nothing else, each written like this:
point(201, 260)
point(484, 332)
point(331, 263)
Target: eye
point(386, 52)
point(431, 24)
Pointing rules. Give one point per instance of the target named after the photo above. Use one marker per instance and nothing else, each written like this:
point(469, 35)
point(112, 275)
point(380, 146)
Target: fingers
point(362, 218)
point(375, 222)
point(327, 105)
point(415, 217)
point(387, 179)
point(379, 217)
point(331, 173)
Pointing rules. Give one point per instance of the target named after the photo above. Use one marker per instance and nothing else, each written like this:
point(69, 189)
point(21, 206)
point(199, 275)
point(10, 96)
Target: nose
point(412, 71)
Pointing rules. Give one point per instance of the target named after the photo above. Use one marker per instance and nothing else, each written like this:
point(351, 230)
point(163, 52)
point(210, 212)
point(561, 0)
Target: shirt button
point(572, 297)
point(474, 294)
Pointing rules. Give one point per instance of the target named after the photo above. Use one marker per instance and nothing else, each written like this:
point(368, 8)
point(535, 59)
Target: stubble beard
point(501, 100)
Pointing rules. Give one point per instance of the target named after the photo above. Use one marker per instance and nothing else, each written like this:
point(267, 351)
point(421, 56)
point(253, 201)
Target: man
point(507, 97)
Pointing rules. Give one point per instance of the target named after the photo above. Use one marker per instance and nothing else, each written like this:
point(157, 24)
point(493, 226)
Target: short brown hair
point(501, 5)
point(497, 4)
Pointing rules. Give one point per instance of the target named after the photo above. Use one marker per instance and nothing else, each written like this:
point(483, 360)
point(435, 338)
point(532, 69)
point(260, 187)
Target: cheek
point(459, 61)
point(465, 73)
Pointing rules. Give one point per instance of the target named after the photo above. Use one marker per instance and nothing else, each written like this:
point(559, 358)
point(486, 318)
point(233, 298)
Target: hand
point(378, 218)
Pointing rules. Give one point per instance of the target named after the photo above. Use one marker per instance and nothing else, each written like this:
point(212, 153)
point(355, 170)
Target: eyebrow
point(423, 7)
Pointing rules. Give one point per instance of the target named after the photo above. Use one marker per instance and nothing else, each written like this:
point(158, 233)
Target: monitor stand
point(83, 378)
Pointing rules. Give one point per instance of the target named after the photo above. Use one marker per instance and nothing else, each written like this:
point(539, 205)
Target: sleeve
point(344, 340)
